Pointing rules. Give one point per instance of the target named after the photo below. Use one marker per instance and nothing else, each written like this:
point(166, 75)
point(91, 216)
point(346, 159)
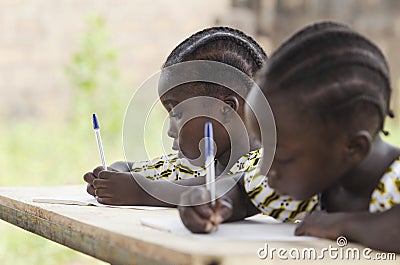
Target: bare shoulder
point(396, 151)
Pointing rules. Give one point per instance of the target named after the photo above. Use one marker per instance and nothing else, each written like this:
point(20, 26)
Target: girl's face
point(309, 154)
point(188, 114)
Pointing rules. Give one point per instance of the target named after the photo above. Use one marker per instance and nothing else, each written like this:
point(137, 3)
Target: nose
point(272, 173)
point(173, 128)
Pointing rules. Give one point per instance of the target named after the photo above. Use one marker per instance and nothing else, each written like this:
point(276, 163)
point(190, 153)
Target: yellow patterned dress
point(384, 197)
point(282, 208)
point(387, 194)
point(168, 167)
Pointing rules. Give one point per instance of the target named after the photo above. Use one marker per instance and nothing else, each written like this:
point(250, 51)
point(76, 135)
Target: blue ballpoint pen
point(98, 138)
point(210, 168)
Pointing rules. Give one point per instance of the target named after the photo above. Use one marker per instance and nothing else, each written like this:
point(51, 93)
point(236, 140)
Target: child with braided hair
point(119, 184)
point(329, 90)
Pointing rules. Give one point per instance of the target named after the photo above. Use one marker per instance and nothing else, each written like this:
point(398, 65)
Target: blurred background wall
point(62, 60)
point(275, 20)
point(38, 38)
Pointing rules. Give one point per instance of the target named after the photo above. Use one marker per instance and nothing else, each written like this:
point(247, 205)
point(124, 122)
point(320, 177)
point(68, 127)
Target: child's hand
point(117, 188)
point(89, 177)
point(322, 224)
point(203, 217)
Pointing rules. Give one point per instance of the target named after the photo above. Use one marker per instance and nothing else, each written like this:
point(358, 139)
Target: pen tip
point(208, 129)
point(208, 134)
point(95, 122)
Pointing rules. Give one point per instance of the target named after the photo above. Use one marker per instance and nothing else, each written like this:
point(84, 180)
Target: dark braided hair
point(221, 44)
point(341, 74)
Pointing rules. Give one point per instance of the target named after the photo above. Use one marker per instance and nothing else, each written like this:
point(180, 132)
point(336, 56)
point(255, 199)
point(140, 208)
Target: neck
point(353, 191)
point(227, 159)
point(364, 178)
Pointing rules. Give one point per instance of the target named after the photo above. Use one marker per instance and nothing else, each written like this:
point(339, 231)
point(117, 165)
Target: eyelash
point(285, 161)
point(175, 115)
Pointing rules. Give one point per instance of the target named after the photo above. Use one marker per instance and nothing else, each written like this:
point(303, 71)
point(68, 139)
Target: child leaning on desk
point(219, 44)
point(329, 89)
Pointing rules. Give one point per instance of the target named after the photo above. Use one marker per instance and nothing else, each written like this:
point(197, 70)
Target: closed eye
point(176, 115)
point(169, 104)
point(284, 161)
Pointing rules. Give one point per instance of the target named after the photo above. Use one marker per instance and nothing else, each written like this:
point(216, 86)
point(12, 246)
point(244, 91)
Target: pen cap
point(95, 122)
point(208, 133)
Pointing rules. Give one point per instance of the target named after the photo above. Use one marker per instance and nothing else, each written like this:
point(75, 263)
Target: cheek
point(311, 177)
point(297, 181)
point(302, 186)
point(190, 135)
point(252, 124)
point(221, 137)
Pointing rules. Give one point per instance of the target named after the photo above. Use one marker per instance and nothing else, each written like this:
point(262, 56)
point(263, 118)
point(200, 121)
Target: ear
point(359, 145)
point(233, 103)
point(233, 106)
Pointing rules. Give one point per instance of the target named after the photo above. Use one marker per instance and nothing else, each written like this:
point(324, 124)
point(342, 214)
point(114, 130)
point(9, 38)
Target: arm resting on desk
point(242, 207)
point(122, 166)
point(89, 177)
point(126, 188)
point(379, 231)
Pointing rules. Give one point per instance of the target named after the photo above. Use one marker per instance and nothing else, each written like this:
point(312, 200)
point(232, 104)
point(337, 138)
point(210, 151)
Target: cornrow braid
point(221, 44)
point(334, 68)
point(309, 30)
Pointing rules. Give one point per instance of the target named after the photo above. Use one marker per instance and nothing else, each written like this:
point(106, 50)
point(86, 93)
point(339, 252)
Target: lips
point(274, 182)
point(175, 146)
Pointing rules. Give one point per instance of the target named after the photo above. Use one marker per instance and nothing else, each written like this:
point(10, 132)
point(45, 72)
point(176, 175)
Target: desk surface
point(116, 235)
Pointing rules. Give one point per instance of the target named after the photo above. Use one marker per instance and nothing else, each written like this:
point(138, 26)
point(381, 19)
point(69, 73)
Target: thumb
point(299, 230)
point(112, 169)
point(97, 171)
point(107, 174)
point(223, 210)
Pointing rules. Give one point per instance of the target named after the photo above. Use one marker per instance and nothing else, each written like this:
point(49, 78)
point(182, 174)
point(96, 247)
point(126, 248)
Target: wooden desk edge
point(94, 246)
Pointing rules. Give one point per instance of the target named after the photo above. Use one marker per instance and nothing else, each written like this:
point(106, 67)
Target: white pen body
point(100, 145)
point(210, 177)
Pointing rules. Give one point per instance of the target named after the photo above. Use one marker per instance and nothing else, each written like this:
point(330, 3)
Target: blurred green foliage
point(96, 79)
point(39, 153)
point(95, 62)
point(18, 247)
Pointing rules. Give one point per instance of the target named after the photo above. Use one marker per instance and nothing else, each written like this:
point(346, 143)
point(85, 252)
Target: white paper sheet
point(87, 200)
point(260, 228)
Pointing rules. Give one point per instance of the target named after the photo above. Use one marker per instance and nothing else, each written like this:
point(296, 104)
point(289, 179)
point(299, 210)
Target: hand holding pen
point(201, 212)
point(210, 160)
point(210, 167)
point(197, 213)
point(89, 177)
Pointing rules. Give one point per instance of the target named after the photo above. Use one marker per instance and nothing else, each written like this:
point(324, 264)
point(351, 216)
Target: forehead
point(192, 103)
point(177, 94)
point(295, 122)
